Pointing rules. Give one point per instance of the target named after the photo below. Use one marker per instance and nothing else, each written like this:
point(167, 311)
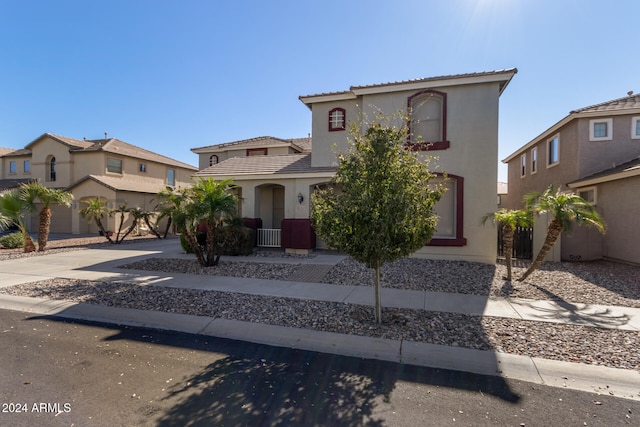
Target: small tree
point(509, 220)
point(379, 206)
point(35, 190)
point(13, 209)
point(207, 202)
point(566, 209)
point(96, 210)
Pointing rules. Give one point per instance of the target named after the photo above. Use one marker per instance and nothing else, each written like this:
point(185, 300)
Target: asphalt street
point(56, 372)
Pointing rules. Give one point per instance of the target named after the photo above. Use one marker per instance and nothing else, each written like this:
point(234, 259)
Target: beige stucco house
point(457, 115)
point(593, 151)
point(108, 168)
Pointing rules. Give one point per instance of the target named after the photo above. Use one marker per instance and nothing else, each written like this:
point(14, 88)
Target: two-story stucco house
point(593, 151)
point(108, 168)
point(456, 115)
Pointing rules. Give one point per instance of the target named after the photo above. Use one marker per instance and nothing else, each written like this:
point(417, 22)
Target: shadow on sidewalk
point(576, 315)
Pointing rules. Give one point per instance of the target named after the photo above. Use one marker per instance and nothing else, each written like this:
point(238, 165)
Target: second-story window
point(114, 165)
point(143, 167)
point(337, 119)
point(428, 120)
point(534, 160)
point(213, 160)
point(553, 151)
point(52, 169)
point(523, 165)
point(171, 177)
point(600, 130)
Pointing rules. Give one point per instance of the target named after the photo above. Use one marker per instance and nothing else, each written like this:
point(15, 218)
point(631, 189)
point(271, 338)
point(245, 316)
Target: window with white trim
point(534, 160)
point(337, 119)
point(553, 151)
point(635, 128)
point(589, 194)
point(523, 165)
point(601, 130)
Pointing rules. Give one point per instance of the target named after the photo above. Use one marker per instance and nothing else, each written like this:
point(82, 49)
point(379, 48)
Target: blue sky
point(172, 75)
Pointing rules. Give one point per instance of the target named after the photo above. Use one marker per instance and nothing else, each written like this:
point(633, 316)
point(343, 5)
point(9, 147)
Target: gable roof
point(111, 145)
point(299, 144)
point(8, 184)
point(501, 76)
point(624, 170)
point(265, 165)
point(627, 105)
point(132, 183)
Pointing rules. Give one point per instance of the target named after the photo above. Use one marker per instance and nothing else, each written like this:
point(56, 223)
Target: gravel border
point(587, 282)
point(583, 344)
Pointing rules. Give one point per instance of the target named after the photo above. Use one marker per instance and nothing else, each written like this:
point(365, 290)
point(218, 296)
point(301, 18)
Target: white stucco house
point(456, 115)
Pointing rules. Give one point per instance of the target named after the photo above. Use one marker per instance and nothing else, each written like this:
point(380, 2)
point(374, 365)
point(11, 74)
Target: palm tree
point(122, 210)
point(170, 207)
point(509, 220)
point(146, 216)
point(208, 201)
point(566, 209)
point(13, 209)
point(96, 210)
point(33, 190)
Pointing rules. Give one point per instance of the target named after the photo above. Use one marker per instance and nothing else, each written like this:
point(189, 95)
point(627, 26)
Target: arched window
point(213, 160)
point(52, 168)
point(428, 120)
point(337, 119)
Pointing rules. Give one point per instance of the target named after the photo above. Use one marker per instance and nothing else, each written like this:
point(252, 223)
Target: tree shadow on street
point(265, 385)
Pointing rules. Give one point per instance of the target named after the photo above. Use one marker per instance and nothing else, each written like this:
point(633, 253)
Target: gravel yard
point(596, 283)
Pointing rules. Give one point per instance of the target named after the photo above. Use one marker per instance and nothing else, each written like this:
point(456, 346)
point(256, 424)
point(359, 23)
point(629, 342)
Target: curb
point(576, 376)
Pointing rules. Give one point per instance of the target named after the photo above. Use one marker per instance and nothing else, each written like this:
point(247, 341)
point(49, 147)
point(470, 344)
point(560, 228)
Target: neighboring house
point(108, 168)
point(593, 151)
point(456, 115)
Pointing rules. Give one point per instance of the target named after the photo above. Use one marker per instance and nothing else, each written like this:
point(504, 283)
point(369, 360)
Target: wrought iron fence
point(522, 243)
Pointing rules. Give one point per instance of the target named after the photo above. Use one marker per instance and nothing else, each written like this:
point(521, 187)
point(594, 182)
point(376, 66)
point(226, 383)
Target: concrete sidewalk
point(102, 264)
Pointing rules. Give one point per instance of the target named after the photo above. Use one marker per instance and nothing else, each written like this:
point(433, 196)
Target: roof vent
point(630, 93)
point(105, 136)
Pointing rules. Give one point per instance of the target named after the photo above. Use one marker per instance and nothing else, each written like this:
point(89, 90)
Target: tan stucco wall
point(596, 156)
point(42, 152)
point(621, 213)
point(20, 174)
point(565, 171)
point(472, 128)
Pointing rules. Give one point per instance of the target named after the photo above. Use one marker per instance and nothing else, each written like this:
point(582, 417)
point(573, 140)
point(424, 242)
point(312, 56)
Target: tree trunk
point(28, 243)
point(376, 286)
point(193, 241)
point(553, 232)
point(43, 230)
point(166, 230)
point(152, 229)
point(507, 236)
point(102, 230)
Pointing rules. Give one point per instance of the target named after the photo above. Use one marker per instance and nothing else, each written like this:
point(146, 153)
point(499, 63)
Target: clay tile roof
point(629, 166)
point(133, 183)
point(4, 150)
point(15, 153)
point(419, 80)
point(261, 165)
point(116, 146)
point(626, 103)
point(260, 141)
point(8, 184)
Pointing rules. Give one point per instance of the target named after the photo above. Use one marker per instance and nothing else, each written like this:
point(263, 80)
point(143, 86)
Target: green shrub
point(12, 241)
point(232, 240)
